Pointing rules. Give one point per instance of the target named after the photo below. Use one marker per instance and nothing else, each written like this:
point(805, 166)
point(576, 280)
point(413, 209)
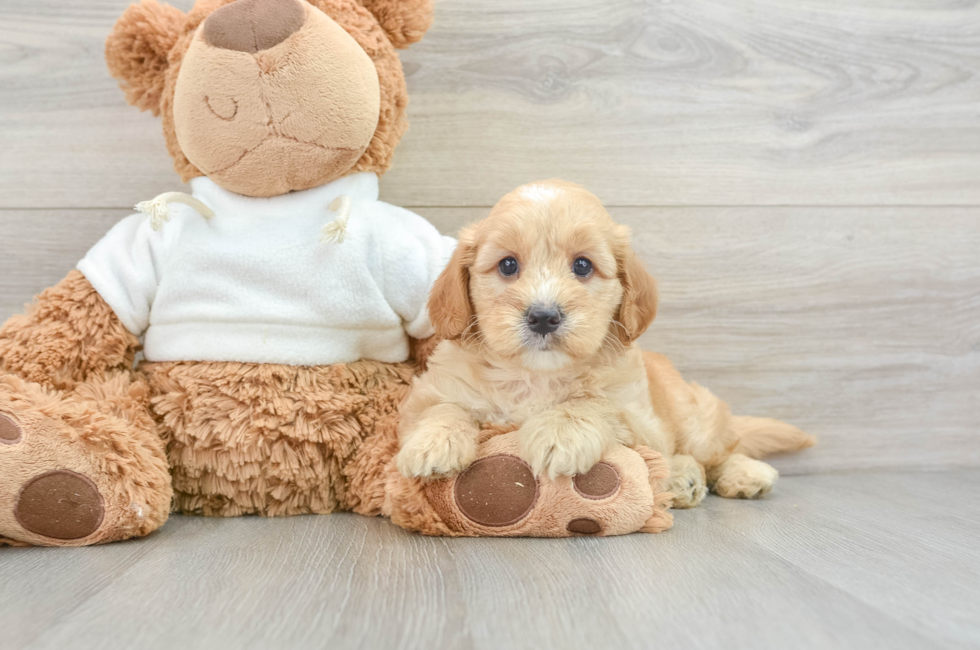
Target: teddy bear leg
point(80, 460)
point(79, 468)
point(499, 496)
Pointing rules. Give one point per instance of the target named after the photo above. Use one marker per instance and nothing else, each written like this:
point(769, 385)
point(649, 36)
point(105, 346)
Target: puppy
point(539, 307)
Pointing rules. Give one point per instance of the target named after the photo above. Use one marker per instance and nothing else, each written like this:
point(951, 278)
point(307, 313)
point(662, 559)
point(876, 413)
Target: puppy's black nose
point(543, 320)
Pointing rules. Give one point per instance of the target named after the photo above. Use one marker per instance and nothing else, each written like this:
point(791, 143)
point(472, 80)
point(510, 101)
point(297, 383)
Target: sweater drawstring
point(158, 208)
point(335, 231)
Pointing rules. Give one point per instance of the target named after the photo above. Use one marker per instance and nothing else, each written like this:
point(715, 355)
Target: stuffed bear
point(279, 307)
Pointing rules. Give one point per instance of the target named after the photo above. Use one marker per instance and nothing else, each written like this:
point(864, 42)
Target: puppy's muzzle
point(543, 320)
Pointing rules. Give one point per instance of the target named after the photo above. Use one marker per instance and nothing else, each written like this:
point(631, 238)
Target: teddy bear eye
point(508, 266)
point(582, 267)
point(224, 108)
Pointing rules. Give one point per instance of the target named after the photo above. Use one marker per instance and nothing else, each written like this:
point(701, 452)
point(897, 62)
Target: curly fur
point(271, 439)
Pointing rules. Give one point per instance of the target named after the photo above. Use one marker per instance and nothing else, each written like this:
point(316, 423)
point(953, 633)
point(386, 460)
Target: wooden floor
point(865, 560)
point(802, 176)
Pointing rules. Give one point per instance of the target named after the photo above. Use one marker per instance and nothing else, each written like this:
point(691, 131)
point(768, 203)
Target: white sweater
point(255, 283)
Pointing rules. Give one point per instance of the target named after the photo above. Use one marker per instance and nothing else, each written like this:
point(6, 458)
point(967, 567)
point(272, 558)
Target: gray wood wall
point(803, 176)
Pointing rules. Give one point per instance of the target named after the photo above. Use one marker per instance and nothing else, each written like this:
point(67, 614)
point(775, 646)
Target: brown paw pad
point(584, 526)
point(496, 491)
point(61, 505)
point(10, 433)
point(600, 482)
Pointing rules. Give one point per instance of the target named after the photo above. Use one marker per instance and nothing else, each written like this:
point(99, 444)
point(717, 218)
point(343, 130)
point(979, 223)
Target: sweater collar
point(362, 186)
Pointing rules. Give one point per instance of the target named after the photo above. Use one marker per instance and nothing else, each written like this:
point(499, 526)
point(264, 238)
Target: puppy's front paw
point(438, 449)
point(558, 451)
point(687, 481)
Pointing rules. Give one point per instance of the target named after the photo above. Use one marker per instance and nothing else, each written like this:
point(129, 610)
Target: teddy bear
point(243, 349)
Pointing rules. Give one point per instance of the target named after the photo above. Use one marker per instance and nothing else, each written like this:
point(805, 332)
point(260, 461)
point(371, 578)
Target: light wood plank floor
point(864, 560)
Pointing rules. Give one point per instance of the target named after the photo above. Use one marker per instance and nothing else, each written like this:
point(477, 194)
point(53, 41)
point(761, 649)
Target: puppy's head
point(545, 281)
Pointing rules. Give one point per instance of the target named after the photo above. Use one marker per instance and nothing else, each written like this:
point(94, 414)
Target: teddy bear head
point(269, 96)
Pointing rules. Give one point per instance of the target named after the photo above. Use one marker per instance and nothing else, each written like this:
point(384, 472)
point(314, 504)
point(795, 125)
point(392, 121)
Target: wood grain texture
point(860, 325)
point(702, 102)
point(795, 570)
point(883, 537)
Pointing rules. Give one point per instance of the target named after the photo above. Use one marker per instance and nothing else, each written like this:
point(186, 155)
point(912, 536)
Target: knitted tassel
point(335, 231)
point(158, 208)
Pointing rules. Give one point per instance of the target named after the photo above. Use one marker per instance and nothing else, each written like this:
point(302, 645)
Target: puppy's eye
point(507, 266)
point(582, 267)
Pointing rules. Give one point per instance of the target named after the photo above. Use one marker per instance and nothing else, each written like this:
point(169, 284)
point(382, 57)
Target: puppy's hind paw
point(741, 477)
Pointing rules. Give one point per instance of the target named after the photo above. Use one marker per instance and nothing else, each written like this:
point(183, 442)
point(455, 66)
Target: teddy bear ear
point(405, 21)
point(136, 51)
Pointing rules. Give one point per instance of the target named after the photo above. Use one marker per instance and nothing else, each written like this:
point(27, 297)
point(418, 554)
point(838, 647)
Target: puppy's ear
point(450, 309)
point(639, 306)
point(136, 51)
point(404, 21)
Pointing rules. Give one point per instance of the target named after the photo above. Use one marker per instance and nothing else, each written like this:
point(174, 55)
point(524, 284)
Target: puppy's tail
point(760, 437)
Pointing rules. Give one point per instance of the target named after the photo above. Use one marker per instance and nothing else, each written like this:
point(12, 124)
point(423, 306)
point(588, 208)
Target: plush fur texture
point(241, 438)
point(65, 335)
point(268, 439)
point(65, 379)
point(147, 49)
point(583, 388)
point(138, 50)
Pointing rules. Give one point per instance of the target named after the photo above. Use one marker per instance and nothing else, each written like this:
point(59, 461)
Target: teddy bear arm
point(66, 334)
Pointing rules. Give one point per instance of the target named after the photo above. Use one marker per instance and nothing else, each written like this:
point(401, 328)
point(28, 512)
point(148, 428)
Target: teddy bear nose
point(253, 25)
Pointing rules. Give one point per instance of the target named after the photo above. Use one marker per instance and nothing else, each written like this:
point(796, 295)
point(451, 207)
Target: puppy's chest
point(514, 401)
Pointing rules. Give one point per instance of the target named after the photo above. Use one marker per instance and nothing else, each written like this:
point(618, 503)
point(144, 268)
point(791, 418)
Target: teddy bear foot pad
point(501, 490)
point(499, 496)
point(41, 501)
point(73, 485)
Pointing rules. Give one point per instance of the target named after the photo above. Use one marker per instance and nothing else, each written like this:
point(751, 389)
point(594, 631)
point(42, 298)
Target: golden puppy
point(540, 306)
